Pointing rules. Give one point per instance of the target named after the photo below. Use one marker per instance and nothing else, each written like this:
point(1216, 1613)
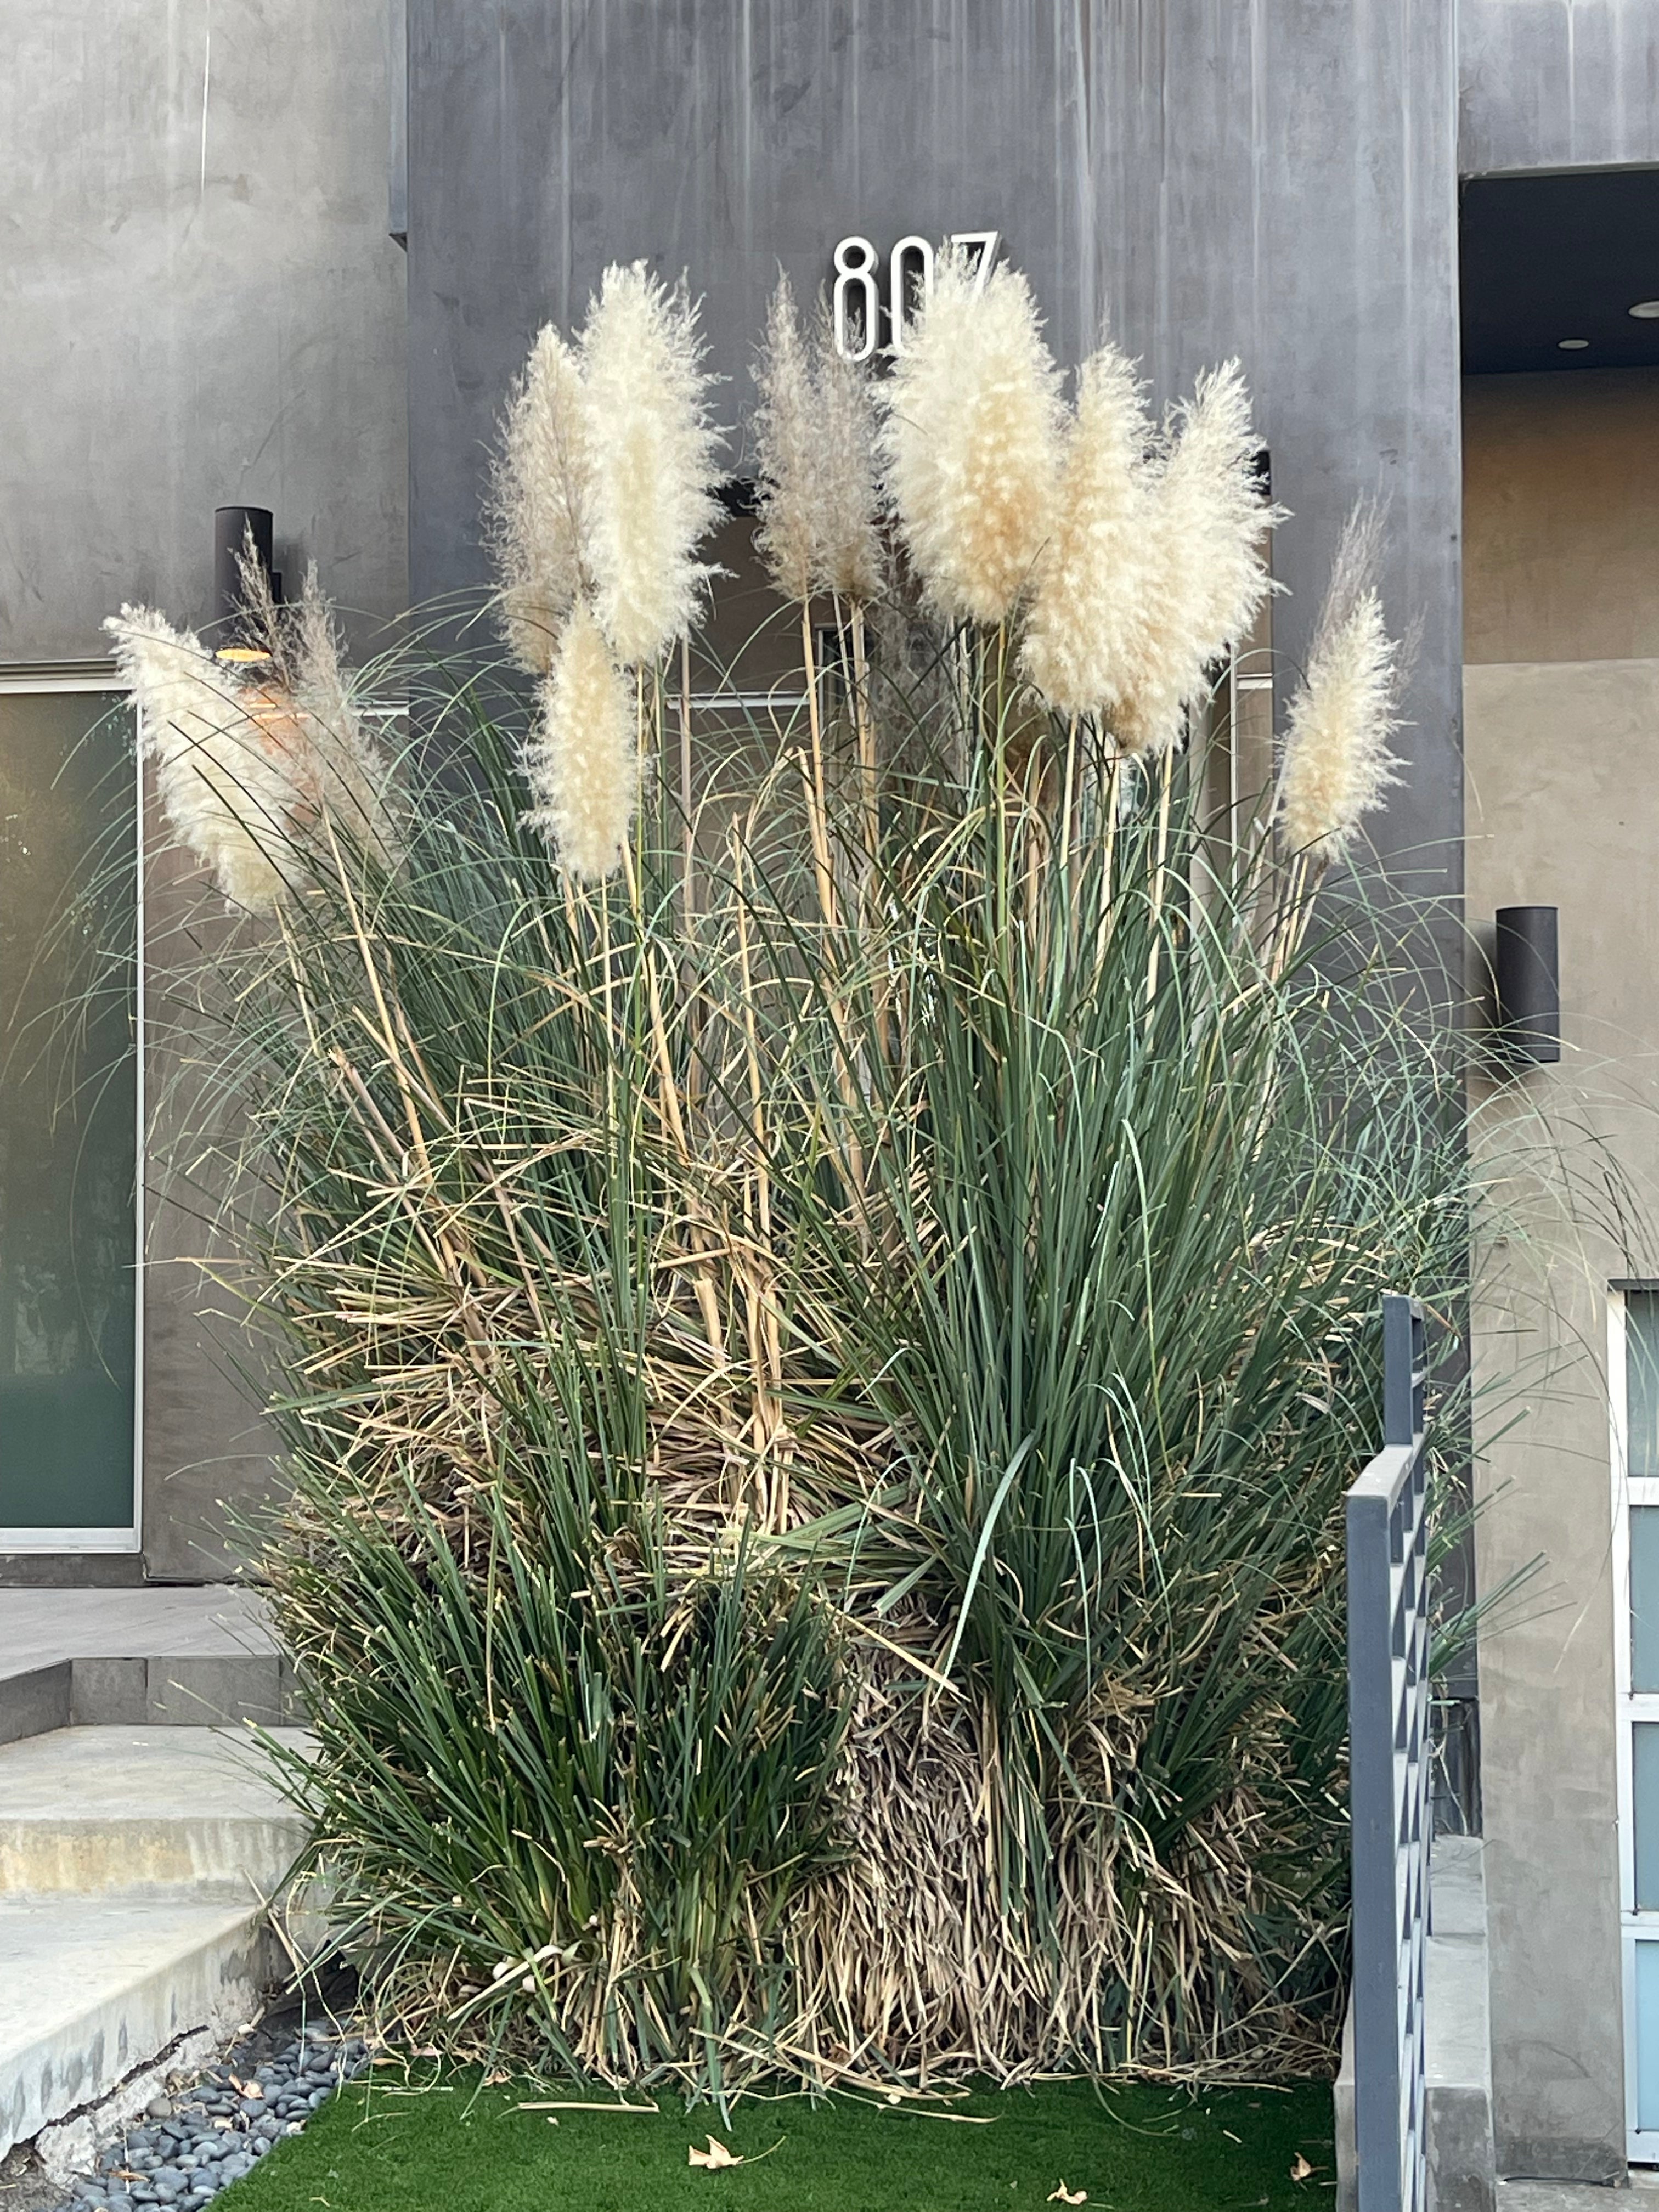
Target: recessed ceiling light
point(1646, 311)
point(1571, 345)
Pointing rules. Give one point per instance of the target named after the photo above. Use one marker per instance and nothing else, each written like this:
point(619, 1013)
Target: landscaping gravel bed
point(191, 2145)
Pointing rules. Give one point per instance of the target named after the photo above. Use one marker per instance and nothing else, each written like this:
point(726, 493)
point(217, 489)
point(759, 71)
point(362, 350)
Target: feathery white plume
point(227, 783)
point(1346, 709)
point(353, 778)
point(581, 764)
point(847, 556)
point(814, 447)
point(1206, 578)
point(1087, 608)
point(787, 449)
point(971, 440)
point(540, 499)
point(652, 449)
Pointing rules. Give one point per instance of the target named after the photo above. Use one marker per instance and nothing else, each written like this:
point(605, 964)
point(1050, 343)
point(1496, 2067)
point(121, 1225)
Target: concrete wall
point(1562, 808)
point(200, 305)
point(1557, 84)
point(1276, 181)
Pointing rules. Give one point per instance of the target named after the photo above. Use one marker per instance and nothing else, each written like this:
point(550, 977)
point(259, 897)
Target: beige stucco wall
point(1561, 516)
point(1561, 703)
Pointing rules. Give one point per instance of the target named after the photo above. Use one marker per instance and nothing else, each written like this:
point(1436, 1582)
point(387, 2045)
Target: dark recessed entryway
point(1551, 266)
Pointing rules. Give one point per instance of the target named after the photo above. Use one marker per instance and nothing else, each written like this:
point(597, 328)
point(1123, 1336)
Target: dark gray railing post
point(1388, 1777)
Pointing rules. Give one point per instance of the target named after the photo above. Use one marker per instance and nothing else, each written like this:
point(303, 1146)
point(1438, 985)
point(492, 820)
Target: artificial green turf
point(382, 2147)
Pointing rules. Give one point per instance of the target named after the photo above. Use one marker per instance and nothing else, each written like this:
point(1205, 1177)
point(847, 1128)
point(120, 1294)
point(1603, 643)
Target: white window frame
point(14, 683)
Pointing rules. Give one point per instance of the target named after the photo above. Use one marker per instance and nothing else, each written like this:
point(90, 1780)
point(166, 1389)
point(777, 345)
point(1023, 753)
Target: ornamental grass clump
point(819, 1414)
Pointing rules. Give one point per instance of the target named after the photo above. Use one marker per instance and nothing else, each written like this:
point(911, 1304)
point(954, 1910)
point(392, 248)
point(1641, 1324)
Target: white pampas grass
point(1205, 577)
point(540, 500)
point(1088, 610)
point(580, 764)
point(352, 779)
point(971, 438)
point(787, 452)
point(653, 451)
point(226, 784)
point(255, 768)
point(815, 450)
point(847, 554)
point(1337, 762)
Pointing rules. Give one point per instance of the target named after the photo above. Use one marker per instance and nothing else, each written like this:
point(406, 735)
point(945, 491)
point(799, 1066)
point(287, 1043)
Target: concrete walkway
point(187, 1657)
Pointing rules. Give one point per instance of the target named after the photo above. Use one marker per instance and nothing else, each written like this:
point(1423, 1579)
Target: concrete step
point(94, 1810)
point(93, 1987)
point(134, 1865)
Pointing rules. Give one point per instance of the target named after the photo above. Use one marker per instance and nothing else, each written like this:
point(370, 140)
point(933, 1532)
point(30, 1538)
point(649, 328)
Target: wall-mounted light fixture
point(1527, 973)
point(232, 527)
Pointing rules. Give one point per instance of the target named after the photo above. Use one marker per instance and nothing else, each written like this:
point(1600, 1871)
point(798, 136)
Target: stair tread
point(64, 1958)
point(102, 1775)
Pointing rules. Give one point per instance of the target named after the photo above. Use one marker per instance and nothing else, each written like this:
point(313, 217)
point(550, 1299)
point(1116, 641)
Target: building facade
point(295, 264)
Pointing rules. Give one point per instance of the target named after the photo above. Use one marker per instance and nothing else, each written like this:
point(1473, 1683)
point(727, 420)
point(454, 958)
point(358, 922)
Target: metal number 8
point(861, 273)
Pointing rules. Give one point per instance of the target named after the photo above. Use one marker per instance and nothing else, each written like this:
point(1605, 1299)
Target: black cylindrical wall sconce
point(231, 525)
point(1526, 972)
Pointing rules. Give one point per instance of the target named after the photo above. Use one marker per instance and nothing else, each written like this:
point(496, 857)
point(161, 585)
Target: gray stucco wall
point(1276, 181)
point(1563, 693)
point(200, 305)
point(1558, 84)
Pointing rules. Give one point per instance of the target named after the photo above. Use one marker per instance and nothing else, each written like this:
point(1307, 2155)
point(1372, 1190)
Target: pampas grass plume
point(1205, 576)
point(971, 440)
point(787, 451)
point(581, 762)
point(814, 447)
point(847, 554)
point(653, 448)
point(229, 791)
point(1087, 610)
point(354, 779)
point(1346, 709)
point(540, 499)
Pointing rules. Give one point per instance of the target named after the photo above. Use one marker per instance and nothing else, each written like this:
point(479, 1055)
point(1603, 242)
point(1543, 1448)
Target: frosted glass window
point(68, 1104)
point(1644, 1794)
point(1647, 2035)
point(1642, 1380)
point(1644, 1597)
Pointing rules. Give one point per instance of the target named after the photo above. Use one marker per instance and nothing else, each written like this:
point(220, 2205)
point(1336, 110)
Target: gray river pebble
point(186, 2148)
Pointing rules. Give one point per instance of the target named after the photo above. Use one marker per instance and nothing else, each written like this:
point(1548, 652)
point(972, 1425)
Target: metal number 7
point(987, 241)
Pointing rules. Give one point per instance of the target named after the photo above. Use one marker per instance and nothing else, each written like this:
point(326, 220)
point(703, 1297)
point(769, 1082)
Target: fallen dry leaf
point(1065, 2195)
point(1300, 2168)
point(716, 2155)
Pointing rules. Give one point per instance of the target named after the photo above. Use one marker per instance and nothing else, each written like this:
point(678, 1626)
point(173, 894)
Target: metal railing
point(1389, 1766)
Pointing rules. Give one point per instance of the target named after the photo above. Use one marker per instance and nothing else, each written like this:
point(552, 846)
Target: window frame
point(100, 676)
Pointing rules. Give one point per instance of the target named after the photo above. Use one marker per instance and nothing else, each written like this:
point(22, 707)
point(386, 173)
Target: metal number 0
point(910, 281)
point(861, 274)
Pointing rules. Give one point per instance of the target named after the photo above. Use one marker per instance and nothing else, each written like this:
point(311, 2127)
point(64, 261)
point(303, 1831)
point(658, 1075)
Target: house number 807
point(857, 304)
